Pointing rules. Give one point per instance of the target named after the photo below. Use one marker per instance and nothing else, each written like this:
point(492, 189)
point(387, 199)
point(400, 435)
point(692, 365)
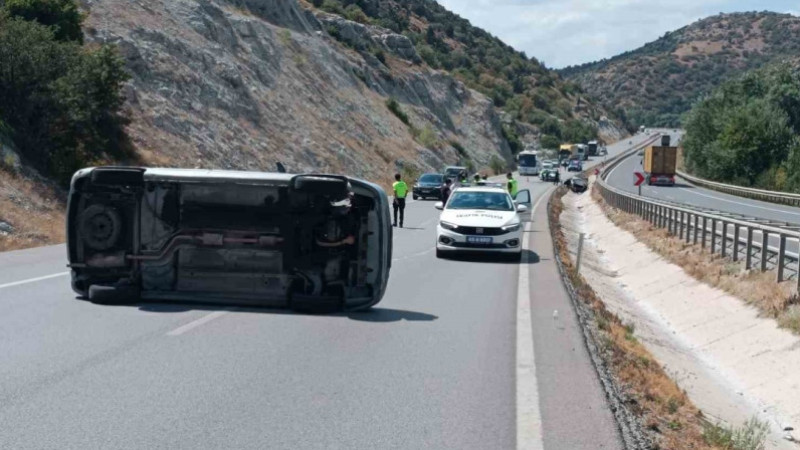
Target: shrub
point(459, 148)
point(427, 136)
point(750, 436)
point(511, 136)
point(61, 100)
point(332, 6)
point(497, 165)
point(379, 55)
point(394, 107)
point(62, 15)
point(550, 142)
point(356, 14)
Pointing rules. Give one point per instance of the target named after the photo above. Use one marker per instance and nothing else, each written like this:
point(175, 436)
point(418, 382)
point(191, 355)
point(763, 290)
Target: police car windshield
point(494, 201)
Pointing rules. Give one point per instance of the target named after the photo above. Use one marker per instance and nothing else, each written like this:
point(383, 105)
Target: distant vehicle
point(528, 163)
point(550, 175)
point(266, 239)
point(665, 140)
point(481, 219)
point(429, 185)
point(565, 153)
point(577, 184)
point(642, 129)
point(454, 172)
point(575, 165)
point(581, 151)
point(660, 165)
point(547, 165)
point(593, 148)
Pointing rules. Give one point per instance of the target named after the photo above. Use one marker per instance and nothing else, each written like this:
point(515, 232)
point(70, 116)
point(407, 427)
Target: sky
point(561, 33)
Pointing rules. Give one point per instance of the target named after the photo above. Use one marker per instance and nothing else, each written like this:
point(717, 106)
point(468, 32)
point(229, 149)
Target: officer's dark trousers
point(399, 206)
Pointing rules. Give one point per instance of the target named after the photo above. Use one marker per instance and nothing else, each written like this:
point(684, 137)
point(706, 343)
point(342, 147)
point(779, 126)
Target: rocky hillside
point(655, 84)
point(246, 83)
point(325, 86)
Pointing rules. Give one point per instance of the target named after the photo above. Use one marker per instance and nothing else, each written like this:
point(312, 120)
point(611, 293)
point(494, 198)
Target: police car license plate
point(482, 240)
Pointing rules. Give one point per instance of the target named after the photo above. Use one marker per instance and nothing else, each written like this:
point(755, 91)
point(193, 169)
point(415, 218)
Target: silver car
point(268, 239)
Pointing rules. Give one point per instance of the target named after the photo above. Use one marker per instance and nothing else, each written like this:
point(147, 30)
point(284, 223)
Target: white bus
point(528, 163)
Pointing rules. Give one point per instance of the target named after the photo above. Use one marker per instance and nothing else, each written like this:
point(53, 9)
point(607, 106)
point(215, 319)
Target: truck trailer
point(594, 148)
point(660, 165)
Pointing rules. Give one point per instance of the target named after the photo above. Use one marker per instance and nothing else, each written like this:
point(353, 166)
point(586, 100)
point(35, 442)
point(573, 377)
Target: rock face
point(243, 84)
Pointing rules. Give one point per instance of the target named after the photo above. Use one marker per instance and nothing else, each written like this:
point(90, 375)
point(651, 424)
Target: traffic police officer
point(512, 185)
point(400, 191)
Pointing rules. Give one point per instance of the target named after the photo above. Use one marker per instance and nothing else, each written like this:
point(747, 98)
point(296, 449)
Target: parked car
point(429, 185)
point(305, 242)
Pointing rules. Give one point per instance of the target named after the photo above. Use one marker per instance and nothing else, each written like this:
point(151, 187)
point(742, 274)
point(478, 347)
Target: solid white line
point(196, 323)
point(33, 280)
point(750, 205)
point(529, 418)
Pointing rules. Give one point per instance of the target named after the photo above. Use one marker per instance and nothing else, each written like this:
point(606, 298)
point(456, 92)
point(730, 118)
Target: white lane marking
point(750, 205)
point(33, 280)
point(196, 323)
point(529, 418)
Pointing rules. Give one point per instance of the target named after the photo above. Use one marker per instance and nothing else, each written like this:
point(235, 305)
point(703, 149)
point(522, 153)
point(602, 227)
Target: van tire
point(113, 295)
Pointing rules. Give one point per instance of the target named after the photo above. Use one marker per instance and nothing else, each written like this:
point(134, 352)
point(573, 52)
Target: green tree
point(550, 142)
point(746, 131)
point(61, 100)
point(62, 15)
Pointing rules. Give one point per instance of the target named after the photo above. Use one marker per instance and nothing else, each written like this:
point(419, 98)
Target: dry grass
point(671, 420)
point(35, 210)
point(779, 301)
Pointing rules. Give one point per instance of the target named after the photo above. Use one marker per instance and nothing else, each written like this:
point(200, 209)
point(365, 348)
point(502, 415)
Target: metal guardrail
point(784, 198)
point(762, 243)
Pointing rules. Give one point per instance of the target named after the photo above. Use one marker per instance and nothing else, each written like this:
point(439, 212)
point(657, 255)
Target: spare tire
point(100, 227)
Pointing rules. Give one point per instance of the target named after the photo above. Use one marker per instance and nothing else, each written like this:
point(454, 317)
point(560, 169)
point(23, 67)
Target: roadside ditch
point(652, 409)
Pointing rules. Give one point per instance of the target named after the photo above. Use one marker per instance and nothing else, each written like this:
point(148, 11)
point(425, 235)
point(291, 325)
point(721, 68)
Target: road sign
point(638, 178)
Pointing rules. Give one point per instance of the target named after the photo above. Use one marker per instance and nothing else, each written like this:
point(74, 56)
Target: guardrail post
point(735, 242)
point(764, 249)
point(673, 219)
point(660, 216)
point(680, 223)
point(713, 236)
point(688, 231)
point(781, 254)
point(705, 230)
point(724, 239)
point(696, 220)
point(749, 258)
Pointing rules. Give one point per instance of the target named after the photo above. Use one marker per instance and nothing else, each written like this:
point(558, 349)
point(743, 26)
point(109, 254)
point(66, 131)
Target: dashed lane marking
point(33, 280)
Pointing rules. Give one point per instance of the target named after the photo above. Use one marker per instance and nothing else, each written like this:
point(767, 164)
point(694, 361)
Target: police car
point(481, 219)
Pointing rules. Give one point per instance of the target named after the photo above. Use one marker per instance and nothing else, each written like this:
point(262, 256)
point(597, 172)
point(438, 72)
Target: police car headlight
point(510, 228)
point(448, 226)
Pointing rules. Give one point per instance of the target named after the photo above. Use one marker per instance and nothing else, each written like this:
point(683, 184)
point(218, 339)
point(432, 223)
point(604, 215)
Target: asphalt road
point(685, 193)
point(434, 365)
